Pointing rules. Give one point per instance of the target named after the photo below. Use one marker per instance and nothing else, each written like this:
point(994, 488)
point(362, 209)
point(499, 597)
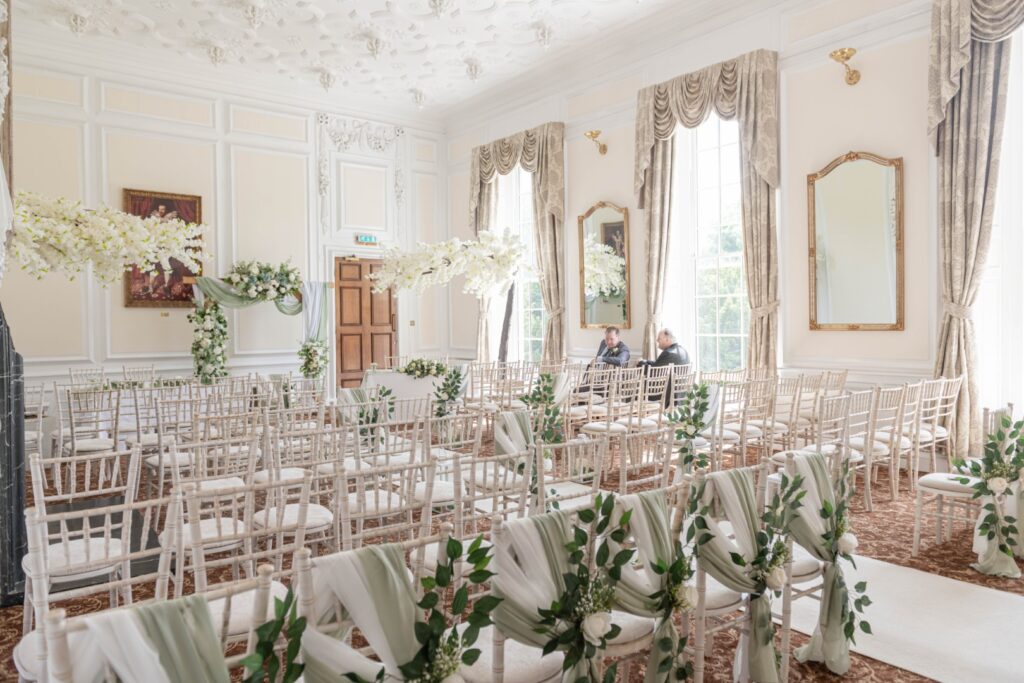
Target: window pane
point(731, 206)
point(729, 317)
point(708, 354)
point(730, 165)
point(730, 353)
point(707, 279)
point(707, 133)
point(730, 276)
point(707, 208)
point(729, 132)
point(732, 239)
point(707, 168)
point(706, 321)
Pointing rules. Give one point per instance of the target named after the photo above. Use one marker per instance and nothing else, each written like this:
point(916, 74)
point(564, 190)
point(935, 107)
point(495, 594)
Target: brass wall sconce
point(842, 56)
point(593, 135)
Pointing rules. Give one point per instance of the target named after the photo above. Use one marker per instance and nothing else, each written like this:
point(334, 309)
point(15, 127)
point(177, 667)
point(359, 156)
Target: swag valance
point(744, 88)
point(955, 23)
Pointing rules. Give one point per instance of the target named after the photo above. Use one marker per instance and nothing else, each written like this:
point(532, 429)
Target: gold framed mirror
point(855, 243)
point(604, 267)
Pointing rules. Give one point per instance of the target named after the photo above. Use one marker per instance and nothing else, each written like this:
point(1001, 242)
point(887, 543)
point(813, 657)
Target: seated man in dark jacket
point(612, 350)
point(671, 354)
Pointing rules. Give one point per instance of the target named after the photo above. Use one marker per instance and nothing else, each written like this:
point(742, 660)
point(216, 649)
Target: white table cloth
point(401, 385)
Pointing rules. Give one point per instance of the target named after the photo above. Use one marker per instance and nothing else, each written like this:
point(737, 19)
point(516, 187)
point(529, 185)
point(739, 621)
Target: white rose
point(254, 269)
point(596, 626)
point(218, 349)
point(252, 292)
point(273, 284)
point(997, 485)
point(689, 595)
point(776, 579)
point(204, 343)
point(847, 543)
point(689, 429)
point(208, 324)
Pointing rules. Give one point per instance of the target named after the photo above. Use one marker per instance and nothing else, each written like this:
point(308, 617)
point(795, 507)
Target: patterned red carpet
point(885, 534)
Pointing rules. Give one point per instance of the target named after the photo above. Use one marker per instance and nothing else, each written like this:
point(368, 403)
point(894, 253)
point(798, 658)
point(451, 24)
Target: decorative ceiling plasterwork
point(421, 51)
point(340, 134)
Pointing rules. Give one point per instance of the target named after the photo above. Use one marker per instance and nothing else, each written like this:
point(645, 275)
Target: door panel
point(365, 331)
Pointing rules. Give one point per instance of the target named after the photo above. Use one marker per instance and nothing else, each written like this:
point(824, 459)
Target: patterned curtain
point(539, 150)
point(968, 75)
point(745, 89)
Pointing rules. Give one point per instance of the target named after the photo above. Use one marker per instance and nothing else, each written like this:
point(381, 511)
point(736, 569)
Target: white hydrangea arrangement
point(605, 270)
point(209, 345)
point(314, 359)
point(262, 281)
point(489, 265)
point(60, 235)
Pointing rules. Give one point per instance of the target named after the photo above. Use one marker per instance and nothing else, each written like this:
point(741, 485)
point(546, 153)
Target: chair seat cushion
point(212, 528)
point(90, 445)
point(947, 483)
point(753, 431)
point(318, 517)
point(633, 627)
point(523, 664)
point(805, 566)
point(714, 434)
point(376, 501)
point(777, 427)
point(148, 440)
point(569, 494)
point(604, 428)
point(718, 598)
point(877, 447)
point(581, 411)
point(86, 668)
point(60, 556)
point(442, 492)
point(168, 460)
point(285, 474)
point(221, 483)
point(638, 423)
point(243, 606)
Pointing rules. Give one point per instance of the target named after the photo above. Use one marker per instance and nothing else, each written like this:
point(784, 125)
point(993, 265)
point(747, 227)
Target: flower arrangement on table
point(489, 264)
point(689, 418)
point(579, 622)
point(259, 281)
point(443, 649)
point(210, 342)
point(60, 235)
point(423, 367)
point(313, 355)
point(604, 270)
point(999, 478)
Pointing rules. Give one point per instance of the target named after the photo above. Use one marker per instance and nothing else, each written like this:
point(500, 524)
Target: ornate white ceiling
point(433, 52)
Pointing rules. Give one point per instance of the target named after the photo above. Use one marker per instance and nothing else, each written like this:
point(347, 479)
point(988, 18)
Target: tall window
point(515, 212)
point(998, 311)
point(706, 298)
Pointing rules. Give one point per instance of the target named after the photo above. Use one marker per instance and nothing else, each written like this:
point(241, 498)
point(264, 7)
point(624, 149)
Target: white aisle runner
point(941, 628)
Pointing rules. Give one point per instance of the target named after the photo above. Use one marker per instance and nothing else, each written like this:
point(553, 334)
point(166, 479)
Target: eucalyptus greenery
point(678, 595)
point(442, 649)
point(841, 540)
point(542, 397)
point(688, 418)
point(263, 663)
point(579, 622)
point(1001, 464)
point(448, 392)
point(369, 419)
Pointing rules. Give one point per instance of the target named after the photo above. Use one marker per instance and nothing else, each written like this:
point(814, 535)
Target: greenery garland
point(688, 417)
point(263, 664)
point(210, 342)
point(258, 281)
point(542, 397)
point(447, 393)
point(423, 367)
point(313, 355)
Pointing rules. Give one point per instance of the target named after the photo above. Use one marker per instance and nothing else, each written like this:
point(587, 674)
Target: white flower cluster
point(262, 281)
point(210, 342)
point(314, 359)
point(63, 236)
point(489, 265)
point(604, 270)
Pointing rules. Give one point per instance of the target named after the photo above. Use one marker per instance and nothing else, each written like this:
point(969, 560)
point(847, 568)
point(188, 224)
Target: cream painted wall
point(820, 117)
point(824, 119)
point(88, 132)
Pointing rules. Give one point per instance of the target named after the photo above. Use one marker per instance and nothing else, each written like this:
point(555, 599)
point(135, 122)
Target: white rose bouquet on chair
point(579, 622)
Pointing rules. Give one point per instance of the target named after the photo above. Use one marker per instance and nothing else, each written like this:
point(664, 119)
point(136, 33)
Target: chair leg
point(940, 519)
point(27, 609)
point(918, 502)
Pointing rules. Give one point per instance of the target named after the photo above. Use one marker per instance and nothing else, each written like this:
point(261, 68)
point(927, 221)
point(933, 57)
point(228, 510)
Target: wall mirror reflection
point(604, 266)
point(855, 233)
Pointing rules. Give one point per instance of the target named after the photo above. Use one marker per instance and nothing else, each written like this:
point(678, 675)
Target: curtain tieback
point(558, 311)
point(957, 310)
point(766, 310)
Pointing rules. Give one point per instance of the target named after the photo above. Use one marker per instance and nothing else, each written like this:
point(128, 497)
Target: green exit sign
point(370, 240)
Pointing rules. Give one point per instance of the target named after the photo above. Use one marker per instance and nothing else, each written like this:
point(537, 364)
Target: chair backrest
point(67, 480)
point(93, 414)
point(861, 413)
point(834, 381)
point(645, 459)
point(87, 376)
point(141, 373)
point(496, 484)
point(910, 421)
point(787, 398)
point(833, 421)
point(945, 414)
point(888, 418)
point(568, 474)
point(214, 459)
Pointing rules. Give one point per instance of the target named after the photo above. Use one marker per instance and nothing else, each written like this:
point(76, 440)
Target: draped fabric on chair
point(373, 585)
point(745, 89)
point(530, 563)
point(828, 643)
point(539, 150)
point(733, 491)
point(967, 82)
point(226, 295)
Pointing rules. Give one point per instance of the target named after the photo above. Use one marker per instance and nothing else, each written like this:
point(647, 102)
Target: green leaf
point(429, 601)
point(423, 632)
point(469, 657)
point(866, 627)
point(480, 575)
point(460, 600)
point(861, 586)
point(454, 548)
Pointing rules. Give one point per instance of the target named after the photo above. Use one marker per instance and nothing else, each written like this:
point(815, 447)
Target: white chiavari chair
point(931, 397)
point(877, 445)
point(142, 374)
point(829, 433)
point(645, 460)
point(118, 535)
point(587, 399)
point(448, 440)
point(568, 474)
point(787, 409)
point(73, 654)
point(758, 427)
point(811, 388)
point(84, 377)
point(942, 427)
point(905, 440)
point(35, 409)
point(93, 420)
point(834, 382)
point(860, 423)
point(730, 411)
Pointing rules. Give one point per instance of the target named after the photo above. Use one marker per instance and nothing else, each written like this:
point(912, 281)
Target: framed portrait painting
point(162, 289)
point(614, 235)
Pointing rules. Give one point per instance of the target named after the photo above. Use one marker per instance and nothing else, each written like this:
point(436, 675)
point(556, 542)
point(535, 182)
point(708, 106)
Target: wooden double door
point(366, 330)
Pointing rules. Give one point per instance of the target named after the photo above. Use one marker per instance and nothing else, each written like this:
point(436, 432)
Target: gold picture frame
point(624, 252)
point(896, 164)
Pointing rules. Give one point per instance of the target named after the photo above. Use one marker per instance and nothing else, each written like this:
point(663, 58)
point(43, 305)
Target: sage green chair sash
point(513, 432)
point(733, 491)
point(828, 643)
point(530, 560)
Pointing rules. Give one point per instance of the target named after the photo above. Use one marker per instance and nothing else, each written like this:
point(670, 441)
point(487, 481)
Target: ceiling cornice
point(44, 46)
